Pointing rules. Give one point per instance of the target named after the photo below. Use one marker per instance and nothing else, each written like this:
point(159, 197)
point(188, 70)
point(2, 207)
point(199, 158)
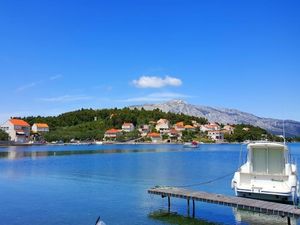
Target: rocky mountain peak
point(226, 116)
point(176, 102)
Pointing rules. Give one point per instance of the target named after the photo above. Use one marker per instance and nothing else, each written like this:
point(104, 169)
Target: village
point(161, 131)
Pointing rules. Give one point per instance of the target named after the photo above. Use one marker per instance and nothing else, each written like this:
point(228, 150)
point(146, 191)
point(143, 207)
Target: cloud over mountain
point(156, 82)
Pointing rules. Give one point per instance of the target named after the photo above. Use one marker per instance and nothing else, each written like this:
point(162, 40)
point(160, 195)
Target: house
point(228, 129)
point(174, 134)
point(216, 135)
point(209, 127)
point(246, 128)
point(144, 130)
point(112, 134)
point(195, 123)
point(127, 127)
point(189, 128)
point(17, 129)
point(155, 137)
point(179, 126)
point(40, 127)
point(162, 125)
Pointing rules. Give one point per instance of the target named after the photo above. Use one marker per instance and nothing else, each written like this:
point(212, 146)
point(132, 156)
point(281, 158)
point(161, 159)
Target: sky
point(59, 55)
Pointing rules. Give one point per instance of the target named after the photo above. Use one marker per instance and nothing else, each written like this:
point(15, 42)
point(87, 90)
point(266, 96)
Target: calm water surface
point(43, 185)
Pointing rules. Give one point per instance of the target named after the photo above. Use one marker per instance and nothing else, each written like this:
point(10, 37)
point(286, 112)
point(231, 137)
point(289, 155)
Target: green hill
point(89, 124)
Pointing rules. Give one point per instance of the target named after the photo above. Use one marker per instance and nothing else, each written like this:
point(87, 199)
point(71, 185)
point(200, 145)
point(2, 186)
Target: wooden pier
point(259, 206)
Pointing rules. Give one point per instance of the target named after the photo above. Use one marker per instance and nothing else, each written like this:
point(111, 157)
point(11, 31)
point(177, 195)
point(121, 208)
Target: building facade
point(162, 126)
point(40, 127)
point(112, 134)
point(127, 127)
point(216, 135)
point(18, 130)
point(155, 137)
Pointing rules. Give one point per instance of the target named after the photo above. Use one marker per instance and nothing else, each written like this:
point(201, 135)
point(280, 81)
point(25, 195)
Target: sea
point(75, 184)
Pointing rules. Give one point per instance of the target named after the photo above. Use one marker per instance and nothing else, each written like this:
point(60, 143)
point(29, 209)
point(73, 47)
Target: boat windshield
point(268, 160)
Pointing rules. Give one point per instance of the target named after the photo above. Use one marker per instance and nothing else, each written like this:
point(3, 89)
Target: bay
point(74, 184)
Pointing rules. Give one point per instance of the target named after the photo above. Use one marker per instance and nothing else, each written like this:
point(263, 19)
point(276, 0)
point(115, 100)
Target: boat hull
point(274, 197)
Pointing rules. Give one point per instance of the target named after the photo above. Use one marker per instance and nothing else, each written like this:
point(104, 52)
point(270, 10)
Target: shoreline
point(115, 143)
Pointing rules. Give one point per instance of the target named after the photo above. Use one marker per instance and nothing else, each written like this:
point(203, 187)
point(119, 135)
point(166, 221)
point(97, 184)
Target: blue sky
point(57, 56)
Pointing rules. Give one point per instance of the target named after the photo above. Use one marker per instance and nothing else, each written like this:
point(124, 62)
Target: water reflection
point(249, 217)
point(174, 218)
point(17, 153)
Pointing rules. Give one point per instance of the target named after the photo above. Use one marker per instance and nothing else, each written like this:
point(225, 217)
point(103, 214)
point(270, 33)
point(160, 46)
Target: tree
point(3, 136)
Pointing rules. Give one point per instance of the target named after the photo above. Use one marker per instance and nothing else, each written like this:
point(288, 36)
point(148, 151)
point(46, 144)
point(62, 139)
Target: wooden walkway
point(260, 206)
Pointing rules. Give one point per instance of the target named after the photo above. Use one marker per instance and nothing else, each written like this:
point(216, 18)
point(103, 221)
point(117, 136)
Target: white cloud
point(56, 77)
point(66, 98)
point(156, 82)
point(27, 86)
point(157, 97)
point(33, 84)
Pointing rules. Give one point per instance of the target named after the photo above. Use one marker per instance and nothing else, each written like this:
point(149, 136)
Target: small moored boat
point(192, 144)
point(268, 174)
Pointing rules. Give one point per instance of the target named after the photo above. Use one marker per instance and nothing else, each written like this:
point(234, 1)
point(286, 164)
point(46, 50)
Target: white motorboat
point(192, 144)
point(268, 174)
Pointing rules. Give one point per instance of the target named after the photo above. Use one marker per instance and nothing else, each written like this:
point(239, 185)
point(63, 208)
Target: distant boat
point(98, 143)
point(192, 144)
point(268, 174)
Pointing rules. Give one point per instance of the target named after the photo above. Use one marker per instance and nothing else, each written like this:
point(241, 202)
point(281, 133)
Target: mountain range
point(226, 116)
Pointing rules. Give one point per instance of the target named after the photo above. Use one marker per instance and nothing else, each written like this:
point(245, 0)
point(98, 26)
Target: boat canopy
point(267, 158)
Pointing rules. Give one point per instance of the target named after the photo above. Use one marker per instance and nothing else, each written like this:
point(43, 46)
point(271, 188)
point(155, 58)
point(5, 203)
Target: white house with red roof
point(17, 129)
point(216, 135)
point(40, 127)
point(155, 137)
point(210, 127)
point(127, 127)
point(112, 133)
point(174, 134)
point(162, 125)
point(179, 126)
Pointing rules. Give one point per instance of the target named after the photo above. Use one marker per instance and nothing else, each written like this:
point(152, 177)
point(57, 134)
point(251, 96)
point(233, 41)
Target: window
point(268, 161)
point(259, 160)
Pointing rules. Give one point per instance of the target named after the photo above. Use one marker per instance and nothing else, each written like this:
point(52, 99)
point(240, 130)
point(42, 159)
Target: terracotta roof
point(189, 127)
point(153, 134)
point(113, 131)
point(18, 122)
point(41, 125)
point(180, 124)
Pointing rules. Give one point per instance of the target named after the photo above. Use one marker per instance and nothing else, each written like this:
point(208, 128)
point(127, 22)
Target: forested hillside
point(89, 124)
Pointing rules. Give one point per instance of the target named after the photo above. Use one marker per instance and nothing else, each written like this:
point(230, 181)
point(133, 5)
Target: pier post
point(188, 207)
point(169, 204)
point(193, 208)
point(289, 220)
